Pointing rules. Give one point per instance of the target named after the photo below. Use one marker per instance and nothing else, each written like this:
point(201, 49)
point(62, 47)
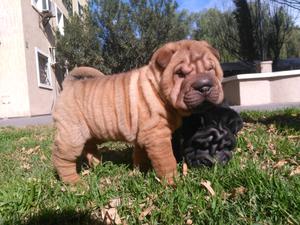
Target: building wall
point(14, 100)
point(255, 92)
point(232, 92)
point(21, 33)
point(285, 89)
point(83, 3)
point(36, 36)
point(263, 88)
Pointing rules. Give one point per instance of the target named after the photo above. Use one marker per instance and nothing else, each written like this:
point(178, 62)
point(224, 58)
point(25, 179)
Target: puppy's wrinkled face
point(191, 74)
point(208, 136)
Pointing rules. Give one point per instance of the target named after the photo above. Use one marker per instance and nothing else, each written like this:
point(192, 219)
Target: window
point(68, 5)
point(80, 9)
point(42, 5)
point(60, 21)
point(43, 69)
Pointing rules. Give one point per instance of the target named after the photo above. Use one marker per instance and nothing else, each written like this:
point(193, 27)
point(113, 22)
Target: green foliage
point(132, 30)
point(252, 31)
point(243, 19)
point(292, 47)
point(282, 26)
point(79, 45)
point(118, 35)
point(211, 25)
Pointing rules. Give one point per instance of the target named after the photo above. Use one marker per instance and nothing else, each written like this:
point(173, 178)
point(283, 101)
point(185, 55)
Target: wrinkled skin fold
point(208, 136)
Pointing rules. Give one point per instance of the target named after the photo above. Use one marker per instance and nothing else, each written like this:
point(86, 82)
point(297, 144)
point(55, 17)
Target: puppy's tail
point(84, 72)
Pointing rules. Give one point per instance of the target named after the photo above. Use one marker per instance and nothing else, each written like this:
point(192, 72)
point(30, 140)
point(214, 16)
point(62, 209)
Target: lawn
point(260, 185)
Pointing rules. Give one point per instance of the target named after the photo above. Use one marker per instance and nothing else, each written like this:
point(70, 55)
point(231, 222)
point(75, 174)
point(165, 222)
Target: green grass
point(252, 189)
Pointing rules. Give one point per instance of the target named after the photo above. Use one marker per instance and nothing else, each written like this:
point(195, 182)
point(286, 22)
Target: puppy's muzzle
point(204, 86)
point(202, 89)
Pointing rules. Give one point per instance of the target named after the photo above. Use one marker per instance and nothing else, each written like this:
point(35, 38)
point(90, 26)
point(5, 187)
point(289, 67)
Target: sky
point(199, 5)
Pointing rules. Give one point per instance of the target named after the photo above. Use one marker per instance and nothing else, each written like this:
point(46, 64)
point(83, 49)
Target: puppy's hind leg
point(91, 152)
point(66, 150)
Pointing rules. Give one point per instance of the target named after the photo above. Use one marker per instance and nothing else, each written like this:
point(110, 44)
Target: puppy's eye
point(211, 66)
point(179, 73)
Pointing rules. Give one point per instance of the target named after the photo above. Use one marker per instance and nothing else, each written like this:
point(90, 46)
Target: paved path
point(26, 121)
point(267, 107)
point(47, 119)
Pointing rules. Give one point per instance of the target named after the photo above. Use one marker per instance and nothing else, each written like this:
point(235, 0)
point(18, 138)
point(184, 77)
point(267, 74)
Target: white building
point(29, 75)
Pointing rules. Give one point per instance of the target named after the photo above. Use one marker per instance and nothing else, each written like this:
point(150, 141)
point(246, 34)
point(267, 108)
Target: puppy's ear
point(163, 56)
point(215, 52)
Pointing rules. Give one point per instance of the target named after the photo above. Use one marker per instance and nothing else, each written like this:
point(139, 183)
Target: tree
point(245, 28)
point(295, 4)
point(213, 25)
point(79, 45)
point(117, 35)
point(279, 31)
point(131, 30)
point(292, 47)
point(252, 31)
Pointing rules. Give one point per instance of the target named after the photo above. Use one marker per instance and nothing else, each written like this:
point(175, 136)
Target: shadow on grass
point(281, 121)
point(66, 217)
point(117, 157)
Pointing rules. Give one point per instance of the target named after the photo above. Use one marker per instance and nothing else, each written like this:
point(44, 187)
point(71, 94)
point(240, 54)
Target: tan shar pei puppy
point(143, 106)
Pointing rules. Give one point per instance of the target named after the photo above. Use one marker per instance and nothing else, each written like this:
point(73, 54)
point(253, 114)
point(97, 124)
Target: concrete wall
point(21, 32)
point(232, 92)
point(36, 36)
point(283, 89)
point(14, 99)
point(253, 92)
point(263, 88)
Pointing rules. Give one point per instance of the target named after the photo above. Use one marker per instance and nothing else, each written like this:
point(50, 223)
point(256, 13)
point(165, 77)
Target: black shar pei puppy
point(208, 136)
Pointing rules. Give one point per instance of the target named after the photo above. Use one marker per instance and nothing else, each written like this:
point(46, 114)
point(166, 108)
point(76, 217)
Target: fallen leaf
point(85, 172)
point(104, 182)
point(271, 128)
point(236, 192)
point(110, 216)
point(156, 178)
point(184, 169)
point(250, 147)
point(272, 148)
point(207, 185)
point(225, 195)
point(43, 157)
point(279, 164)
point(146, 212)
point(238, 150)
point(295, 171)
point(189, 222)
point(26, 166)
point(115, 202)
point(31, 150)
point(63, 189)
point(134, 172)
point(142, 205)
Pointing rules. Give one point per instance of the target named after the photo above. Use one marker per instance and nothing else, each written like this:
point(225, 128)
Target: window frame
point(60, 27)
point(80, 9)
point(40, 8)
point(41, 85)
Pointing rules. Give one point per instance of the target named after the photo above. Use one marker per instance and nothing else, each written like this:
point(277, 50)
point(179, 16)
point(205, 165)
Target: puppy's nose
point(203, 86)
